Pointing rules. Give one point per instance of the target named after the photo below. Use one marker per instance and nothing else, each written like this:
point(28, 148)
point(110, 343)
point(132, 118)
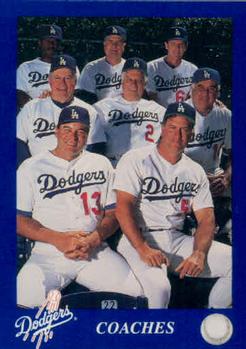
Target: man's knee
point(30, 286)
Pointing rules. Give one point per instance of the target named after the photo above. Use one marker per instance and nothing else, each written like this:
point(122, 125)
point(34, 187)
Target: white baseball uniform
point(68, 196)
point(127, 124)
point(101, 78)
point(32, 77)
point(211, 133)
point(165, 193)
point(37, 120)
point(170, 84)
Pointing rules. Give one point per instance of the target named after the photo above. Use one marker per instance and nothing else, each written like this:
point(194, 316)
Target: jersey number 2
point(96, 197)
point(149, 133)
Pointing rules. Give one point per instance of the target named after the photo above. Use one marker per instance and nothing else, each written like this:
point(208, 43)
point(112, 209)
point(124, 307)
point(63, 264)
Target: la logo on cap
point(180, 108)
point(136, 64)
point(52, 30)
point(114, 30)
point(74, 114)
point(177, 32)
point(206, 74)
point(62, 61)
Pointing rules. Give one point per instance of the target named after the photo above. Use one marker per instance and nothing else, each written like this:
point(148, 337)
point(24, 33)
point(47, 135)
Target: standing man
point(128, 121)
point(169, 77)
point(37, 120)
point(102, 78)
point(156, 186)
point(210, 144)
point(32, 76)
point(66, 205)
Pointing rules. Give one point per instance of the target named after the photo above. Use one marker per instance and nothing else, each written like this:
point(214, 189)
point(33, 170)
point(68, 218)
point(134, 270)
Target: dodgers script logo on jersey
point(177, 190)
point(172, 84)
point(51, 185)
point(103, 82)
point(118, 117)
point(43, 128)
point(37, 79)
point(207, 138)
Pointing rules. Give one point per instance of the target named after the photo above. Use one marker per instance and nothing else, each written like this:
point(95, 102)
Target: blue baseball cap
point(203, 74)
point(74, 114)
point(46, 31)
point(63, 61)
point(177, 33)
point(135, 63)
point(115, 30)
point(181, 109)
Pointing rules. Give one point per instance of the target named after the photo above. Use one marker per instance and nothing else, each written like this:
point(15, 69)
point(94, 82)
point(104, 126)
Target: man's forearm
point(205, 231)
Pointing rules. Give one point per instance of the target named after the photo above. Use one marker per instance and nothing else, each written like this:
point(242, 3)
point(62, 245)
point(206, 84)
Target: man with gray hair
point(210, 144)
point(128, 121)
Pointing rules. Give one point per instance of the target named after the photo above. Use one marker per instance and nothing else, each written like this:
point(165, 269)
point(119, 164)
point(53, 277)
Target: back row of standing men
point(127, 120)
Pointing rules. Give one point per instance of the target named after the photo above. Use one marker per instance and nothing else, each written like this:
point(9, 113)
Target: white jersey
point(37, 120)
point(170, 84)
point(32, 77)
point(164, 192)
point(211, 134)
point(101, 78)
point(65, 195)
point(127, 124)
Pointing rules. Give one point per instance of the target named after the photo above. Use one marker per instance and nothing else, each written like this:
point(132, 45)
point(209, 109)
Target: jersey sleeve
point(86, 80)
point(97, 128)
point(25, 195)
point(127, 176)
point(21, 78)
point(22, 124)
point(203, 198)
point(150, 86)
point(228, 130)
point(110, 202)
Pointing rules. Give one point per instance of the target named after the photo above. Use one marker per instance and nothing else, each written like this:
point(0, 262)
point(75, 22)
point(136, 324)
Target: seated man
point(66, 205)
point(156, 186)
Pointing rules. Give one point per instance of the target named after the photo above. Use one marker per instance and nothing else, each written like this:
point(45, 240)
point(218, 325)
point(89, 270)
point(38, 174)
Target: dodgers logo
point(206, 74)
point(48, 317)
point(62, 61)
point(180, 108)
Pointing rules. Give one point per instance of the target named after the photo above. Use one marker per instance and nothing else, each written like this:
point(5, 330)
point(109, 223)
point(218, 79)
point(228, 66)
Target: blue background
point(81, 333)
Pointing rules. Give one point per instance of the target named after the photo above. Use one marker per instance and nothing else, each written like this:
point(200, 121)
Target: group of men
point(146, 154)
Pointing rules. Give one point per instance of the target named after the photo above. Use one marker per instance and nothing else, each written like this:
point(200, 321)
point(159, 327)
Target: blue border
point(81, 333)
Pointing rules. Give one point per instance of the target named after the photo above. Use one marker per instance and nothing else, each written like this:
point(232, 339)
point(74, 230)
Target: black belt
point(151, 230)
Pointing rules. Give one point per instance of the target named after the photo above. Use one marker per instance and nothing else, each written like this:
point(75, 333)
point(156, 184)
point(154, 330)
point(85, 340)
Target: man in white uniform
point(33, 76)
point(66, 204)
point(210, 144)
point(102, 77)
point(128, 121)
point(169, 77)
point(156, 186)
point(37, 120)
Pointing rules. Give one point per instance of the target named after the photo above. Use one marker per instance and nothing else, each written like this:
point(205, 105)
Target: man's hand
point(218, 184)
point(73, 244)
point(192, 265)
point(152, 256)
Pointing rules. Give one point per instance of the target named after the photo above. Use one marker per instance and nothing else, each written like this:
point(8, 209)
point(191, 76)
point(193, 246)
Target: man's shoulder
point(78, 102)
point(191, 165)
point(187, 64)
point(139, 154)
point(107, 102)
point(95, 160)
point(95, 63)
point(31, 163)
point(33, 63)
point(155, 62)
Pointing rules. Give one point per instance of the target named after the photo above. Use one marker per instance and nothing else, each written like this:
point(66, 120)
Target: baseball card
point(122, 165)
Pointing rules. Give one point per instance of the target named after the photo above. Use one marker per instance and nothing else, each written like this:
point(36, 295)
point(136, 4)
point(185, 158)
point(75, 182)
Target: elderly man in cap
point(37, 120)
point(156, 187)
point(32, 76)
point(128, 121)
point(102, 77)
point(169, 77)
point(210, 144)
point(65, 203)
